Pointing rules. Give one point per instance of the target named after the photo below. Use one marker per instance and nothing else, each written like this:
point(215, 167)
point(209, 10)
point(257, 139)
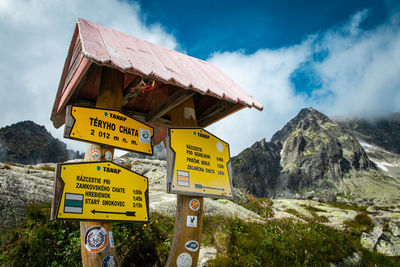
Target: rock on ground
point(20, 186)
point(206, 254)
point(369, 240)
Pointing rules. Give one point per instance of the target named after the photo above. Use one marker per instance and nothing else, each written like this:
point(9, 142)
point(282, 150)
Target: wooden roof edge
point(54, 117)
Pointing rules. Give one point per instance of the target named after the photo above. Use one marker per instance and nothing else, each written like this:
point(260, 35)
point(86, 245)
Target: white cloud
point(264, 75)
point(34, 40)
point(359, 76)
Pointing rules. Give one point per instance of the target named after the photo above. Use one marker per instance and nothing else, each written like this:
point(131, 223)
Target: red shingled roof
point(172, 71)
point(106, 46)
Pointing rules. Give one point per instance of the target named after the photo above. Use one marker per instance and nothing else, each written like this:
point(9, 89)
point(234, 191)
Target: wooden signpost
point(100, 191)
point(119, 91)
point(77, 202)
point(199, 164)
point(189, 209)
point(108, 127)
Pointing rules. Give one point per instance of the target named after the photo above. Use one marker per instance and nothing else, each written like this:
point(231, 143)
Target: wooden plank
point(129, 92)
point(222, 114)
point(82, 84)
point(59, 117)
point(213, 110)
point(183, 232)
point(131, 113)
point(56, 118)
point(57, 188)
point(71, 71)
point(109, 96)
point(69, 121)
point(76, 78)
point(170, 103)
point(142, 117)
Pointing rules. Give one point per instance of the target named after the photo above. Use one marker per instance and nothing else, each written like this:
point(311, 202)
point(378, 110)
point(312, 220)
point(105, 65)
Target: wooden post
point(179, 255)
point(109, 96)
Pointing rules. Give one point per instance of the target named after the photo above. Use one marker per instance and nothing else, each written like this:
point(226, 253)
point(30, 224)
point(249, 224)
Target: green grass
point(282, 242)
point(298, 214)
point(384, 208)
point(5, 167)
point(261, 206)
point(316, 217)
point(128, 165)
point(361, 223)
point(42, 242)
point(47, 168)
point(311, 208)
point(340, 195)
point(345, 206)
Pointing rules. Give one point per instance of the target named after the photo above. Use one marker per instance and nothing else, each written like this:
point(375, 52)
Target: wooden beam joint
point(130, 92)
point(213, 110)
point(170, 103)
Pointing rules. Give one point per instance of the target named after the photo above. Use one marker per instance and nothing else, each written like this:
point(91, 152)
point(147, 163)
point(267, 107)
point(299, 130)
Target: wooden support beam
point(183, 234)
point(222, 114)
point(128, 112)
point(142, 117)
point(170, 103)
point(110, 96)
point(213, 110)
point(130, 92)
point(82, 83)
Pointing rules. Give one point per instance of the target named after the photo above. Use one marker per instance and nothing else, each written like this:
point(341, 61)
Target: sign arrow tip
point(94, 211)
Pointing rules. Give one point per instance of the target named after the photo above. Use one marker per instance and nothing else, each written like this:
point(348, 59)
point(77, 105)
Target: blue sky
point(340, 57)
point(205, 27)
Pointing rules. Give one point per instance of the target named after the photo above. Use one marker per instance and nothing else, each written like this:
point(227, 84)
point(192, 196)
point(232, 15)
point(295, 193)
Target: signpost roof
point(157, 79)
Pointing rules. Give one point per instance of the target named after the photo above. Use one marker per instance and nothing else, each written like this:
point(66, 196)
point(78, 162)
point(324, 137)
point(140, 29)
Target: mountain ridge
point(29, 143)
point(311, 153)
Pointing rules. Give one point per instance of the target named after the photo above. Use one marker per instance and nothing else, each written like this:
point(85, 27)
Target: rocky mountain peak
point(383, 132)
point(309, 152)
point(29, 143)
point(307, 118)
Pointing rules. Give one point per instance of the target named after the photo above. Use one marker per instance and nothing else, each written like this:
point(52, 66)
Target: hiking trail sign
point(100, 191)
point(108, 127)
point(200, 163)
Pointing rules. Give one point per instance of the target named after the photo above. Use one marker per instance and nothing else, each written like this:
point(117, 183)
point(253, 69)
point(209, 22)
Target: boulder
point(18, 188)
point(327, 196)
point(389, 246)
point(371, 209)
point(369, 240)
point(240, 196)
point(394, 228)
point(310, 195)
point(353, 260)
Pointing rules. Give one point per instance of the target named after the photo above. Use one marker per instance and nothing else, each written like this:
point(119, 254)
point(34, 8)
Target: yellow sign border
point(68, 129)
point(171, 155)
point(58, 190)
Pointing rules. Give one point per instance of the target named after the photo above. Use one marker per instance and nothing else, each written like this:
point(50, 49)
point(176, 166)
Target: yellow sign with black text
point(198, 164)
point(100, 191)
point(108, 127)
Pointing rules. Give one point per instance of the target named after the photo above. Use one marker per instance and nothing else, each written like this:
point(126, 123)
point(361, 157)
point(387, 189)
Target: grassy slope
point(273, 243)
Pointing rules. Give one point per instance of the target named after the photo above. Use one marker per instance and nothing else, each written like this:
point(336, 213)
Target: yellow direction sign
point(99, 191)
point(108, 127)
point(198, 164)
